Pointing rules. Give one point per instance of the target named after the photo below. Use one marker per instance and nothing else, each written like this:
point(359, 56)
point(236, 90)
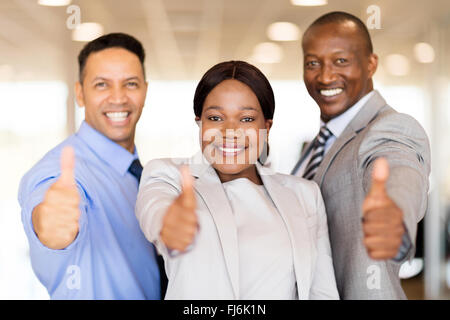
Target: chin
point(119, 137)
point(331, 111)
point(230, 169)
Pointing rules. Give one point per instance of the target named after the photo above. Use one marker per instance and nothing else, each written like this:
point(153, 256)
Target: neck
point(362, 95)
point(250, 173)
point(129, 146)
point(126, 143)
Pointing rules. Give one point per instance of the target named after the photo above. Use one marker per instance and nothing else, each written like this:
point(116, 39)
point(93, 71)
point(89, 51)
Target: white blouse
point(266, 267)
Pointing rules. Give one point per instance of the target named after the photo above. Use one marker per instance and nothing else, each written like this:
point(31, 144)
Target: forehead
point(343, 36)
point(230, 88)
point(113, 61)
point(232, 93)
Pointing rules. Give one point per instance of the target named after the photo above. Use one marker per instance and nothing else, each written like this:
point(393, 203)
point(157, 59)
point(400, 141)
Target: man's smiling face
point(337, 67)
point(113, 93)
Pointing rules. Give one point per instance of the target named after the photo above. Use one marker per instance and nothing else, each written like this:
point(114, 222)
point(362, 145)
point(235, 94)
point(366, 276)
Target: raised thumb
point(187, 188)
point(380, 175)
point(67, 177)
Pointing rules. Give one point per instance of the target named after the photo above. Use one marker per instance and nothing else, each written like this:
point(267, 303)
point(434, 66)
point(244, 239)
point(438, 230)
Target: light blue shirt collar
point(337, 125)
point(110, 152)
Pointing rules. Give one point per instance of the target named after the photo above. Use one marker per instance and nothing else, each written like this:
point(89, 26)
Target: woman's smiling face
point(233, 130)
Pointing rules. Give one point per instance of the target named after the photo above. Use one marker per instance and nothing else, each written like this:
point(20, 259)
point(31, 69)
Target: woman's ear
point(268, 124)
point(265, 149)
point(197, 120)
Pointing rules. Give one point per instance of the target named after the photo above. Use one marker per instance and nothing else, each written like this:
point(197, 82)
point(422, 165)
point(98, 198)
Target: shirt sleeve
point(48, 264)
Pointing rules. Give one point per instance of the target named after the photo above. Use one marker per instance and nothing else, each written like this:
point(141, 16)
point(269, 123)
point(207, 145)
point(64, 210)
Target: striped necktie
point(318, 152)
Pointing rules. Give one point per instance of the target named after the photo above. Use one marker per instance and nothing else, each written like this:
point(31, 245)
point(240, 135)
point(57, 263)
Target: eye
point(247, 119)
point(312, 63)
point(132, 84)
point(341, 60)
point(100, 85)
point(214, 118)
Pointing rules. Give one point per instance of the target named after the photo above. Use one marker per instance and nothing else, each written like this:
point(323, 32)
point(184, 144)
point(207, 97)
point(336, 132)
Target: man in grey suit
point(372, 163)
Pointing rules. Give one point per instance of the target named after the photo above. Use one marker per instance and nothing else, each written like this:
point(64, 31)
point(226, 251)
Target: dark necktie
point(136, 169)
point(318, 153)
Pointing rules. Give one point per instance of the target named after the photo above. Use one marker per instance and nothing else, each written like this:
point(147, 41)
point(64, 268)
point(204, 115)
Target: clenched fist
point(382, 218)
point(55, 219)
point(180, 221)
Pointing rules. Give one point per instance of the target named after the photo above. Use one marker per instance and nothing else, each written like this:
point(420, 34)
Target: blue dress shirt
point(110, 257)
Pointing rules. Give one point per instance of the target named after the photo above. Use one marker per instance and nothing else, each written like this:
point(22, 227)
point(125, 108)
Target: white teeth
point(117, 116)
point(230, 150)
point(330, 92)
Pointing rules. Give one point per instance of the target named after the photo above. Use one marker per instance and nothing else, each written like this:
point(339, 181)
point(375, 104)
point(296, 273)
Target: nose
point(327, 74)
point(118, 95)
point(231, 129)
point(233, 133)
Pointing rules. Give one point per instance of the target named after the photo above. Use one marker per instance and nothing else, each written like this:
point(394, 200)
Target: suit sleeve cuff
point(404, 247)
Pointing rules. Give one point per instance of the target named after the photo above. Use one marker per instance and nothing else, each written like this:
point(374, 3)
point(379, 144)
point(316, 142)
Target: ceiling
point(183, 38)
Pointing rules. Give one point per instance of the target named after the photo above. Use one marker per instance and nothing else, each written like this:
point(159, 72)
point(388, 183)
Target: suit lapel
point(288, 206)
point(210, 189)
point(345, 137)
point(359, 122)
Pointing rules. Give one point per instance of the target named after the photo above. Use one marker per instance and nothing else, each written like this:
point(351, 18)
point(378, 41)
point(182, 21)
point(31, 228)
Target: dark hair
point(243, 72)
point(111, 40)
point(340, 17)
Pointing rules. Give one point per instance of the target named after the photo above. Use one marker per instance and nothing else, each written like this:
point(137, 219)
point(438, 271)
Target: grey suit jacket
point(344, 177)
point(210, 269)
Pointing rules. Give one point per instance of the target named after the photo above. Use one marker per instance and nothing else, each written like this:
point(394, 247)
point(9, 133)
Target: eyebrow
point(221, 108)
point(334, 52)
point(132, 78)
point(340, 52)
point(126, 79)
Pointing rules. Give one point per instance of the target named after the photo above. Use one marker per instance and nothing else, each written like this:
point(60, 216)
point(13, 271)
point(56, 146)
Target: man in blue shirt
point(78, 201)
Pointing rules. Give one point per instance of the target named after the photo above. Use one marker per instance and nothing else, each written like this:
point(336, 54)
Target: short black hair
point(341, 17)
point(243, 72)
point(111, 40)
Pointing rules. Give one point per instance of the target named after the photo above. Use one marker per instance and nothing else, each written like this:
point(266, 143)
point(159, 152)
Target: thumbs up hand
point(382, 218)
point(180, 221)
point(55, 219)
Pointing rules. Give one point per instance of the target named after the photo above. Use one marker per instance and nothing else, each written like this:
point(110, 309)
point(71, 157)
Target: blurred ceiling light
point(397, 65)
point(54, 3)
point(283, 31)
point(424, 52)
point(267, 52)
point(309, 3)
point(87, 31)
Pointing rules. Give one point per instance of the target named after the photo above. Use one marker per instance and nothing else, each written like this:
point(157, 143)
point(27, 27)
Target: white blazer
point(210, 269)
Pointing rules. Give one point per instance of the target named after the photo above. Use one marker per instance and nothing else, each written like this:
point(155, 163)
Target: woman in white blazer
point(228, 227)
